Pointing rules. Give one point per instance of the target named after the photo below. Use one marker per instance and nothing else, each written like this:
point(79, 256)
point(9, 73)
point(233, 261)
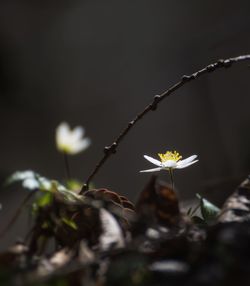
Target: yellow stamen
point(169, 155)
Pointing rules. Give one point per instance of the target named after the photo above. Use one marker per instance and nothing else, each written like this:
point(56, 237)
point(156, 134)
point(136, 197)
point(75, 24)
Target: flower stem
point(66, 165)
point(171, 177)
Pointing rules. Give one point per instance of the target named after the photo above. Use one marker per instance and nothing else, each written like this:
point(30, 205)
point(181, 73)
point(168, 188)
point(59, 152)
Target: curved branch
point(111, 149)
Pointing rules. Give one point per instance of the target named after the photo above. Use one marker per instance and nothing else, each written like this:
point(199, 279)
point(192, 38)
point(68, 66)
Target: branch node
point(187, 78)
point(227, 63)
point(211, 68)
point(194, 75)
point(220, 63)
point(154, 104)
point(110, 149)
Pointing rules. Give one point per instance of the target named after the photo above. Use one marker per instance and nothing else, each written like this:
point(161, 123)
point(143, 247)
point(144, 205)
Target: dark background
point(98, 63)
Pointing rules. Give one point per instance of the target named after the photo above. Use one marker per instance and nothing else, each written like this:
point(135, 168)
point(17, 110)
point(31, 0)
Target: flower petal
point(181, 166)
point(77, 133)
point(30, 183)
point(62, 134)
point(151, 170)
point(152, 160)
point(80, 146)
point(187, 160)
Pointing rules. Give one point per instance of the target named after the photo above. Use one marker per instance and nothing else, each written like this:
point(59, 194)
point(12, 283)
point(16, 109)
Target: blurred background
point(97, 64)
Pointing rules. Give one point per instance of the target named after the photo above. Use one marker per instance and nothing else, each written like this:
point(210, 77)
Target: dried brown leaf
point(237, 206)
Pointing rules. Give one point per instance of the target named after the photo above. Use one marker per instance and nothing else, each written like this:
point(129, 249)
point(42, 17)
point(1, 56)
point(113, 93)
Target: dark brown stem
point(153, 105)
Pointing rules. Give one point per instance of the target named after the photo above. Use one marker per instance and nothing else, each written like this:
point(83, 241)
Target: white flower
point(170, 160)
point(71, 141)
point(30, 180)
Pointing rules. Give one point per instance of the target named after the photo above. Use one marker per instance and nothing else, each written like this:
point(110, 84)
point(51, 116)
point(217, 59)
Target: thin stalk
point(66, 166)
point(171, 173)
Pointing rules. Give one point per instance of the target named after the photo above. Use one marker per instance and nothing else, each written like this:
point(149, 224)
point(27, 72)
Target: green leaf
point(44, 200)
point(208, 210)
point(74, 185)
point(69, 223)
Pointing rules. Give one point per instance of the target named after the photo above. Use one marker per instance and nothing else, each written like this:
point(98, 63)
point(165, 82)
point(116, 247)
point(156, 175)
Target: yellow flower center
point(169, 155)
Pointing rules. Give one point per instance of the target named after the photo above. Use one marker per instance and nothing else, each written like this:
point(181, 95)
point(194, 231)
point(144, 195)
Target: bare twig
point(153, 105)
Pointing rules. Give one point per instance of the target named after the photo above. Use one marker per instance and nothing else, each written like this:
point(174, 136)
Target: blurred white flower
point(30, 180)
point(169, 161)
point(71, 141)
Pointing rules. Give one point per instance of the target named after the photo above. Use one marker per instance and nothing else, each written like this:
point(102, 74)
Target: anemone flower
point(70, 141)
point(170, 161)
